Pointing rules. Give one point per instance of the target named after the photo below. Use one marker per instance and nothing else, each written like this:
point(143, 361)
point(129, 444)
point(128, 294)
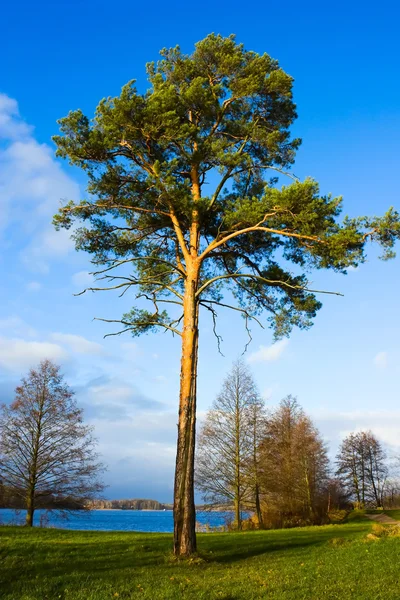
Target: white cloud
point(385, 424)
point(268, 353)
point(11, 124)
point(15, 326)
point(18, 354)
point(116, 399)
point(32, 184)
point(381, 360)
point(78, 343)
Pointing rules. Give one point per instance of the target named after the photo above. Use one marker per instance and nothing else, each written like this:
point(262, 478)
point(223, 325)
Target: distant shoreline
point(137, 509)
point(199, 509)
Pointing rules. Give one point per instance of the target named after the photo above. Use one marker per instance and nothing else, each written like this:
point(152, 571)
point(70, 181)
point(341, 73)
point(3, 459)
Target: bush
point(385, 530)
point(337, 516)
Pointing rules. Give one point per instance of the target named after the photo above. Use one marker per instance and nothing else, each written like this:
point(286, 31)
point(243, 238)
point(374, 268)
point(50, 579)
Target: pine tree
point(184, 200)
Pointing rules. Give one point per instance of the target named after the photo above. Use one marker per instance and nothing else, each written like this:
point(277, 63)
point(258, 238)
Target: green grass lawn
point(312, 563)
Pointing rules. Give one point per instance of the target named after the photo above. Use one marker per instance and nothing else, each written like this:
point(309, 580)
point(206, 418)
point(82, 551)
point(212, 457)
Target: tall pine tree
point(184, 201)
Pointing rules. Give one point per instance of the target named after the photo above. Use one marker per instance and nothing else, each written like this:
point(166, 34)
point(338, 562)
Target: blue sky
point(345, 370)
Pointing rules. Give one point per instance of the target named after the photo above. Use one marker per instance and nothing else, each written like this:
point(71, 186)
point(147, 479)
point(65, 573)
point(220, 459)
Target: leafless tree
point(362, 466)
point(255, 425)
point(225, 461)
point(47, 454)
point(294, 464)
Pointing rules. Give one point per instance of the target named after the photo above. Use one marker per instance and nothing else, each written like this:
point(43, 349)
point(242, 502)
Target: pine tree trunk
point(184, 507)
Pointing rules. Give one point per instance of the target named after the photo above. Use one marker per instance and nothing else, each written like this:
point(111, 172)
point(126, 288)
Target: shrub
point(337, 516)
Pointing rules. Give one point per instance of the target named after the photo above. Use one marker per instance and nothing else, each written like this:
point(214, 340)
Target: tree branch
point(273, 282)
point(133, 325)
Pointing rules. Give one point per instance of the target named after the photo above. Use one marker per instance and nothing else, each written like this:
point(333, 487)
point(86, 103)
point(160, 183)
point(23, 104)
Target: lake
point(113, 520)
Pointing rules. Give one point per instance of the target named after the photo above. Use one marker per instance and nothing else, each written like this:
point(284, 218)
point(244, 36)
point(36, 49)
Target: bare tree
point(336, 495)
point(225, 448)
point(46, 452)
point(294, 463)
point(376, 468)
point(350, 469)
point(256, 423)
point(361, 464)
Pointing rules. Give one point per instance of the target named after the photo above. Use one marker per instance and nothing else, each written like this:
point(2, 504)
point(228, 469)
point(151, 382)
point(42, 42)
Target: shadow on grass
point(62, 557)
point(250, 544)
point(58, 556)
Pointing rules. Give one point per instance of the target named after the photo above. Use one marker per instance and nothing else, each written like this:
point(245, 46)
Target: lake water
point(113, 520)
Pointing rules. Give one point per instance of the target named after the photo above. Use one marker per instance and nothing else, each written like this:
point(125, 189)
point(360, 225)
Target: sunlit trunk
point(184, 507)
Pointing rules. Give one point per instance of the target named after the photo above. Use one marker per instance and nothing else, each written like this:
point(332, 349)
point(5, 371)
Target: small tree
point(224, 466)
point(350, 469)
point(362, 466)
point(182, 203)
point(377, 468)
point(256, 423)
point(294, 463)
point(46, 452)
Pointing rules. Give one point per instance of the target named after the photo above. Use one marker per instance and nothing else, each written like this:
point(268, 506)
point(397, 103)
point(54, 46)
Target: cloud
point(385, 424)
point(15, 326)
point(18, 354)
point(78, 343)
point(381, 360)
point(115, 399)
point(133, 448)
point(11, 124)
point(268, 353)
point(48, 245)
point(32, 183)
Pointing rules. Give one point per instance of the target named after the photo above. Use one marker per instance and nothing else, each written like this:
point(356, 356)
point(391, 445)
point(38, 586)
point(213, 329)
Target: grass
point(313, 563)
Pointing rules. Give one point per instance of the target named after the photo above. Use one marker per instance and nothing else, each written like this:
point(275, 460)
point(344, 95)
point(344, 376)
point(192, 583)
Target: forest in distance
point(145, 504)
point(268, 467)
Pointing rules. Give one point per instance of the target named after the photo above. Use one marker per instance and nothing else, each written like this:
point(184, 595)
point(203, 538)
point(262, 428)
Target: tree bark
point(258, 506)
point(184, 507)
point(30, 509)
